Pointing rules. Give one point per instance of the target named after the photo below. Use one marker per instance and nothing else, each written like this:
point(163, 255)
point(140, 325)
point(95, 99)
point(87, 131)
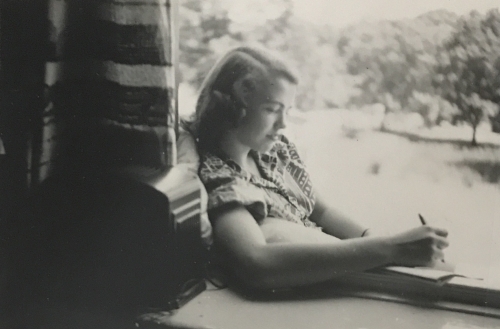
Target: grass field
point(385, 179)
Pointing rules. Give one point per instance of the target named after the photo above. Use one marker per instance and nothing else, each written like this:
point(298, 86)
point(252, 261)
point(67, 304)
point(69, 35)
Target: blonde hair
point(218, 108)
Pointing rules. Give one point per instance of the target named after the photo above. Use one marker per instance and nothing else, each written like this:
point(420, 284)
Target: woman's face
point(266, 113)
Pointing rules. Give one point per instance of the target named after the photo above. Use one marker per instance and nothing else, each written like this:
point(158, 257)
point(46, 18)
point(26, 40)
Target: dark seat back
point(109, 241)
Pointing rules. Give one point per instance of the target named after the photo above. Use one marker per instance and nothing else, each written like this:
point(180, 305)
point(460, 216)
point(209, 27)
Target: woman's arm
point(275, 265)
point(335, 223)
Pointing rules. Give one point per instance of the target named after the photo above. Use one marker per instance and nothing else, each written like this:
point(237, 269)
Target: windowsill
point(466, 295)
point(322, 306)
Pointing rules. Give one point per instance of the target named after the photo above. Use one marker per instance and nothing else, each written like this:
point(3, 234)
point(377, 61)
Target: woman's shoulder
point(226, 185)
point(213, 164)
point(215, 170)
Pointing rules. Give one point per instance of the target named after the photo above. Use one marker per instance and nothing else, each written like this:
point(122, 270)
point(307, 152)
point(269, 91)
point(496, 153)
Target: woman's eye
point(272, 109)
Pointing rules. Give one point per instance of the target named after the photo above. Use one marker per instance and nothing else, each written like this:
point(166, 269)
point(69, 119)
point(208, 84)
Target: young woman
point(269, 224)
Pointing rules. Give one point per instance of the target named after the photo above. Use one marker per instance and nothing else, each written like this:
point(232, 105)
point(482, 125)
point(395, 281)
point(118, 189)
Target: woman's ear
point(235, 111)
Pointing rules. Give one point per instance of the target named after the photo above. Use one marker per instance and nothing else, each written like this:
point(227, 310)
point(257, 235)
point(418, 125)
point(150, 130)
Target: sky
point(340, 13)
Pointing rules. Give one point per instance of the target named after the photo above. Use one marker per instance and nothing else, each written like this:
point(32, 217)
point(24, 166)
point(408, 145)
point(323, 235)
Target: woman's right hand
point(421, 246)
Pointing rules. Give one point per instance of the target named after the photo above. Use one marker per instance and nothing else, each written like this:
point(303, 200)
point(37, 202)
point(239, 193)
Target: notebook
point(439, 276)
point(399, 278)
point(419, 284)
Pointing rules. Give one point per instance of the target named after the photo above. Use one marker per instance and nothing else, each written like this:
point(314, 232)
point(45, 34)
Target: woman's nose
point(281, 120)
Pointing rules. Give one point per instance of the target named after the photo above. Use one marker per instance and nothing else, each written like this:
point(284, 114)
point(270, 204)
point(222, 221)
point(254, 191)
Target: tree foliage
point(395, 58)
point(468, 70)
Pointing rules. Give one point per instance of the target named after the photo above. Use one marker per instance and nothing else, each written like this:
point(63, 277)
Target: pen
point(422, 220)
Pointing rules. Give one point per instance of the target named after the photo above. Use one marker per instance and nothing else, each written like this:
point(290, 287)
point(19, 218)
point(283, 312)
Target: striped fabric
point(110, 84)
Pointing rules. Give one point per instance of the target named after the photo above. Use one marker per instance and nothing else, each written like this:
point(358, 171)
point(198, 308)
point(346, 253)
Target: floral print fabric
point(284, 190)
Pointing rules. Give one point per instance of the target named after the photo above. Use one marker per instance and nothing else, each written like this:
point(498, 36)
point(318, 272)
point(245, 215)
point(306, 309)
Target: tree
point(200, 23)
point(393, 59)
point(468, 70)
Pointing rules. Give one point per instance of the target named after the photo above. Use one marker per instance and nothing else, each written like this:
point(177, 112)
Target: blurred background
point(397, 111)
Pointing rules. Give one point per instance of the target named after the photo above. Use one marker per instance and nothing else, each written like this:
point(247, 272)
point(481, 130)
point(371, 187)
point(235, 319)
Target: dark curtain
point(90, 81)
point(109, 87)
point(22, 44)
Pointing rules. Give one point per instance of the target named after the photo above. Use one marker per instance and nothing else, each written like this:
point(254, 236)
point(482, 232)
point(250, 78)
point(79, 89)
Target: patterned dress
point(284, 191)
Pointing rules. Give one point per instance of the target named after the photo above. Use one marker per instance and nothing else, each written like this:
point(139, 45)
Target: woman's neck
point(238, 152)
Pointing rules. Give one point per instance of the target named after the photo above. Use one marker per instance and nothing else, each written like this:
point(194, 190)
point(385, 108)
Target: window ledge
point(459, 294)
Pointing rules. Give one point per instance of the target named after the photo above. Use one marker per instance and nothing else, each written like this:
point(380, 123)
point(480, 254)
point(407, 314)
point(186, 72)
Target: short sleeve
point(225, 189)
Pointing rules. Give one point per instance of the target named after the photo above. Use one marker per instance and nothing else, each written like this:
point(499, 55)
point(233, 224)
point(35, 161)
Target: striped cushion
point(188, 157)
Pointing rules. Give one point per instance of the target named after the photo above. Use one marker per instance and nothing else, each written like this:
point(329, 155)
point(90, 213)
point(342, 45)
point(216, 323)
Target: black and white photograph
point(226, 164)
